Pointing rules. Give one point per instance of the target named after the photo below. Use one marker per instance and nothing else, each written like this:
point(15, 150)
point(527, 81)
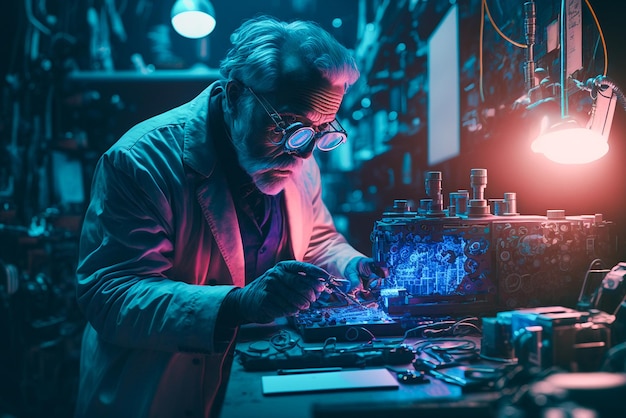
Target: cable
point(459, 345)
point(330, 344)
point(446, 326)
point(480, 50)
point(498, 359)
point(484, 9)
point(584, 285)
point(601, 83)
point(493, 23)
point(283, 341)
point(563, 64)
point(444, 349)
point(461, 327)
point(352, 334)
point(33, 20)
point(604, 48)
point(408, 332)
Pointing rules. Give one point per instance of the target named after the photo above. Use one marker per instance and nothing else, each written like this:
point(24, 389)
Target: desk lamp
point(193, 18)
point(565, 141)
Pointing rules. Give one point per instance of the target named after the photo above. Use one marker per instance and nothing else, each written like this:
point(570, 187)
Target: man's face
point(260, 147)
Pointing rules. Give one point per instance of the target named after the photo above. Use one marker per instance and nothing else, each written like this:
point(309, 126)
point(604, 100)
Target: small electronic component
point(411, 377)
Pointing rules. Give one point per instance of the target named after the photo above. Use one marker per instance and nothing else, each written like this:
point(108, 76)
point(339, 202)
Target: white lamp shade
point(567, 143)
point(193, 18)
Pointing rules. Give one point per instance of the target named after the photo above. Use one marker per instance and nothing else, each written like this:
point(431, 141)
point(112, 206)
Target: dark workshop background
point(67, 95)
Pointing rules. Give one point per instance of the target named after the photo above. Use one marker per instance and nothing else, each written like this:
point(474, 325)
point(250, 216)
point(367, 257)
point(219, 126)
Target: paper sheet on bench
point(330, 381)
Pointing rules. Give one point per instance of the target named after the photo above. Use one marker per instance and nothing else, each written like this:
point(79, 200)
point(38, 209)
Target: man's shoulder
point(168, 126)
point(163, 135)
point(154, 137)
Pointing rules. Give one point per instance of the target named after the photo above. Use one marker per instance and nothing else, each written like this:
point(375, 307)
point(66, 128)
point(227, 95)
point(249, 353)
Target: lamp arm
point(601, 83)
point(605, 94)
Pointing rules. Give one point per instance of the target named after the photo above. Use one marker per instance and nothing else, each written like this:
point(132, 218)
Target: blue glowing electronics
point(472, 259)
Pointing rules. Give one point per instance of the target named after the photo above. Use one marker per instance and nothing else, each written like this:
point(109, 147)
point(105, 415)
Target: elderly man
point(210, 216)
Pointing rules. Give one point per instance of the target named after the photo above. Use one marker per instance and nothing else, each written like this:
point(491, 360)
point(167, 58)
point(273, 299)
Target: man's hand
point(363, 272)
point(283, 290)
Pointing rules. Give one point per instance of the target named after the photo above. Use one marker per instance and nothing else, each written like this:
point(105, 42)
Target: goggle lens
point(330, 140)
point(298, 136)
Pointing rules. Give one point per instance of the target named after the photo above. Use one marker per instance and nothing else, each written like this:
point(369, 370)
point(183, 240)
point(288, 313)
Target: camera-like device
point(553, 336)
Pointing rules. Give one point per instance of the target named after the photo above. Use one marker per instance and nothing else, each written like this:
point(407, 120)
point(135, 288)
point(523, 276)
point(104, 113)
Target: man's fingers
point(299, 293)
point(303, 269)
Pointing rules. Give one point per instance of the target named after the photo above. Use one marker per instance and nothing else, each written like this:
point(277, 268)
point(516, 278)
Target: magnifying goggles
point(297, 138)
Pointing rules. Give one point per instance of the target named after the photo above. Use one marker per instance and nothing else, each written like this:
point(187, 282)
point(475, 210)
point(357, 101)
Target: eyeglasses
point(297, 137)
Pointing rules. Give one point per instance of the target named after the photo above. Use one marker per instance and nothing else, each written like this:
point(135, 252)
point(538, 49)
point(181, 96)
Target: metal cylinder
point(511, 199)
point(459, 201)
point(500, 207)
point(478, 208)
point(530, 29)
point(478, 182)
point(400, 209)
point(425, 205)
point(432, 183)
point(400, 205)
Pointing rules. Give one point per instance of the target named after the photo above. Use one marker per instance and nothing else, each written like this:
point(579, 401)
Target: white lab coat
point(160, 248)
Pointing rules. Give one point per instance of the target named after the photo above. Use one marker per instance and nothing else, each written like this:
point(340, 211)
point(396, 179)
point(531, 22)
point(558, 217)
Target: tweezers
point(334, 285)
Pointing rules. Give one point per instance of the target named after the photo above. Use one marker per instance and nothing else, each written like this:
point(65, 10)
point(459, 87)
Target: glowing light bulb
point(567, 143)
point(193, 18)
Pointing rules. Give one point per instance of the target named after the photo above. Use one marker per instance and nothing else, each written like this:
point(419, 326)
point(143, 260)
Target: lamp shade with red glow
point(566, 142)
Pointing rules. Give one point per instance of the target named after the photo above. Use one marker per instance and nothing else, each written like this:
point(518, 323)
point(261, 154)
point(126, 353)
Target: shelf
point(203, 75)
